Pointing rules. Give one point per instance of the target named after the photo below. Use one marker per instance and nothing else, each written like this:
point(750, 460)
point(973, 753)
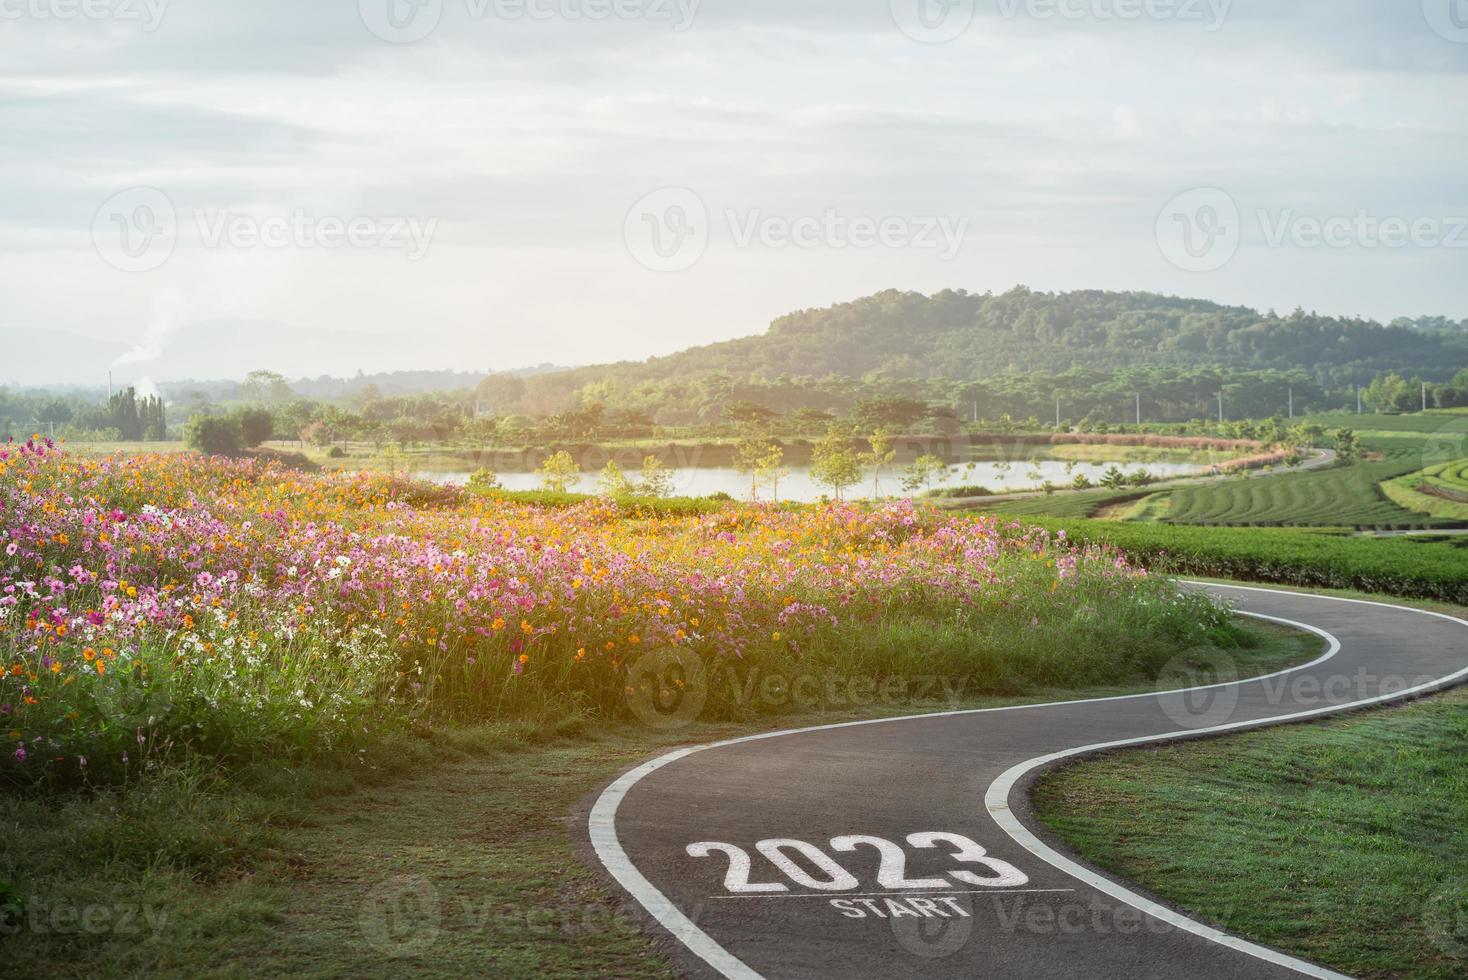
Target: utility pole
point(1139, 411)
point(1424, 398)
point(1220, 408)
point(1057, 411)
point(1358, 399)
point(1292, 403)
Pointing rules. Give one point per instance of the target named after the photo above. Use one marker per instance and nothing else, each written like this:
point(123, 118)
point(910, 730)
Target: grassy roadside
point(441, 853)
point(1344, 842)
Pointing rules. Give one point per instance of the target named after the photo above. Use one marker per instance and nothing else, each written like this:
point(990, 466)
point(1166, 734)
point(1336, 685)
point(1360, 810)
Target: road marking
point(602, 825)
point(829, 895)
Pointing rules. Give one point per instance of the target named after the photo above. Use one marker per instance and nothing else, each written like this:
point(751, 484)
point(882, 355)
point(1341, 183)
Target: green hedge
point(1434, 567)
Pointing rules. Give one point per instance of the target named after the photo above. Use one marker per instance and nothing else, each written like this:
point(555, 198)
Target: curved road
point(907, 847)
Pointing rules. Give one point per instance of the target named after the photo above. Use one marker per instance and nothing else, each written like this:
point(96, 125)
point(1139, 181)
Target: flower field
point(166, 606)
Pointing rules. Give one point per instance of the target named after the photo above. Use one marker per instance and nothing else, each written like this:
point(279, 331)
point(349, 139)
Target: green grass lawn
point(439, 853)
point(1344, 842)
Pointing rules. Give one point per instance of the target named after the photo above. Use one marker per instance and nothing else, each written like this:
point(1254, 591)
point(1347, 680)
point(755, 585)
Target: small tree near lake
point(835, 464)
point(558, 472)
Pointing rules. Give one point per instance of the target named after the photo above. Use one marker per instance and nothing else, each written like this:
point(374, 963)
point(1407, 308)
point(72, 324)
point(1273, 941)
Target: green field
point(287, 868)
point(1344, 842)
point(1380, 492)
point(1430, 567)
point(1440, 490)
point(1342, 496)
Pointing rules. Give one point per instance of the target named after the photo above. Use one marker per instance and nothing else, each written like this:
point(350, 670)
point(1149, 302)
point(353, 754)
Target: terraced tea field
point(1440, 490)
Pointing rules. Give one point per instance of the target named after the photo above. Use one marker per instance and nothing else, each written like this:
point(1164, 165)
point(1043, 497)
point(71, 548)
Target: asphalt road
point(908, 848)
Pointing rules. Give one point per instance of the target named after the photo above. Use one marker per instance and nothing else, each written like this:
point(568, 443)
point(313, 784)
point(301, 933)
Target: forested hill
point(958, 335)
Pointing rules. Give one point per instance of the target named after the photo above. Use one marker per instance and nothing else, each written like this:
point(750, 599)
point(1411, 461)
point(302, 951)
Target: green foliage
point(1441, 491)
point(923, 473)
point(1429, 568)
point(1343, 496)
point(657, 479)
point(256, 426)
point(835, 463)
point(558, 472)
point(612, 482)
point(214, 436)
point(483, 481)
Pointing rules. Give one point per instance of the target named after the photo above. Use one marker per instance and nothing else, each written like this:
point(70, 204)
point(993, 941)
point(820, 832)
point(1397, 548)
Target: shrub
point(256, 426)
point(214, 436)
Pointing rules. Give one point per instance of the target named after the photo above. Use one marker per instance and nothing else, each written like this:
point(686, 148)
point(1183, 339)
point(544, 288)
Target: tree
point(484, 480)
point(770, 470)
point(657, 479)
point(1392, 393)
point(214, 436)
point(318, 434)
point(835, 463)
point(749, 413)
point(612, 482)
point(1114, 478)
point(1348, 445)
point(256, 425)
point(923, 472)
point(266, 388)
point(558, 472)
point(751, 452)
point(881, 455)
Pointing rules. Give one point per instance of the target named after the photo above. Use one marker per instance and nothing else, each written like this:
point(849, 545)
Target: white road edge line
point(602, 825)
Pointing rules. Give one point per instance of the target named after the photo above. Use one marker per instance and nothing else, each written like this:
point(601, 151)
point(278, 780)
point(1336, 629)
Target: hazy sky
point(580, 180)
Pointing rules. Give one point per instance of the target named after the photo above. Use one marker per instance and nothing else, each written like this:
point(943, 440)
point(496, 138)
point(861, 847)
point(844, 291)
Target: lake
point(798, 486)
